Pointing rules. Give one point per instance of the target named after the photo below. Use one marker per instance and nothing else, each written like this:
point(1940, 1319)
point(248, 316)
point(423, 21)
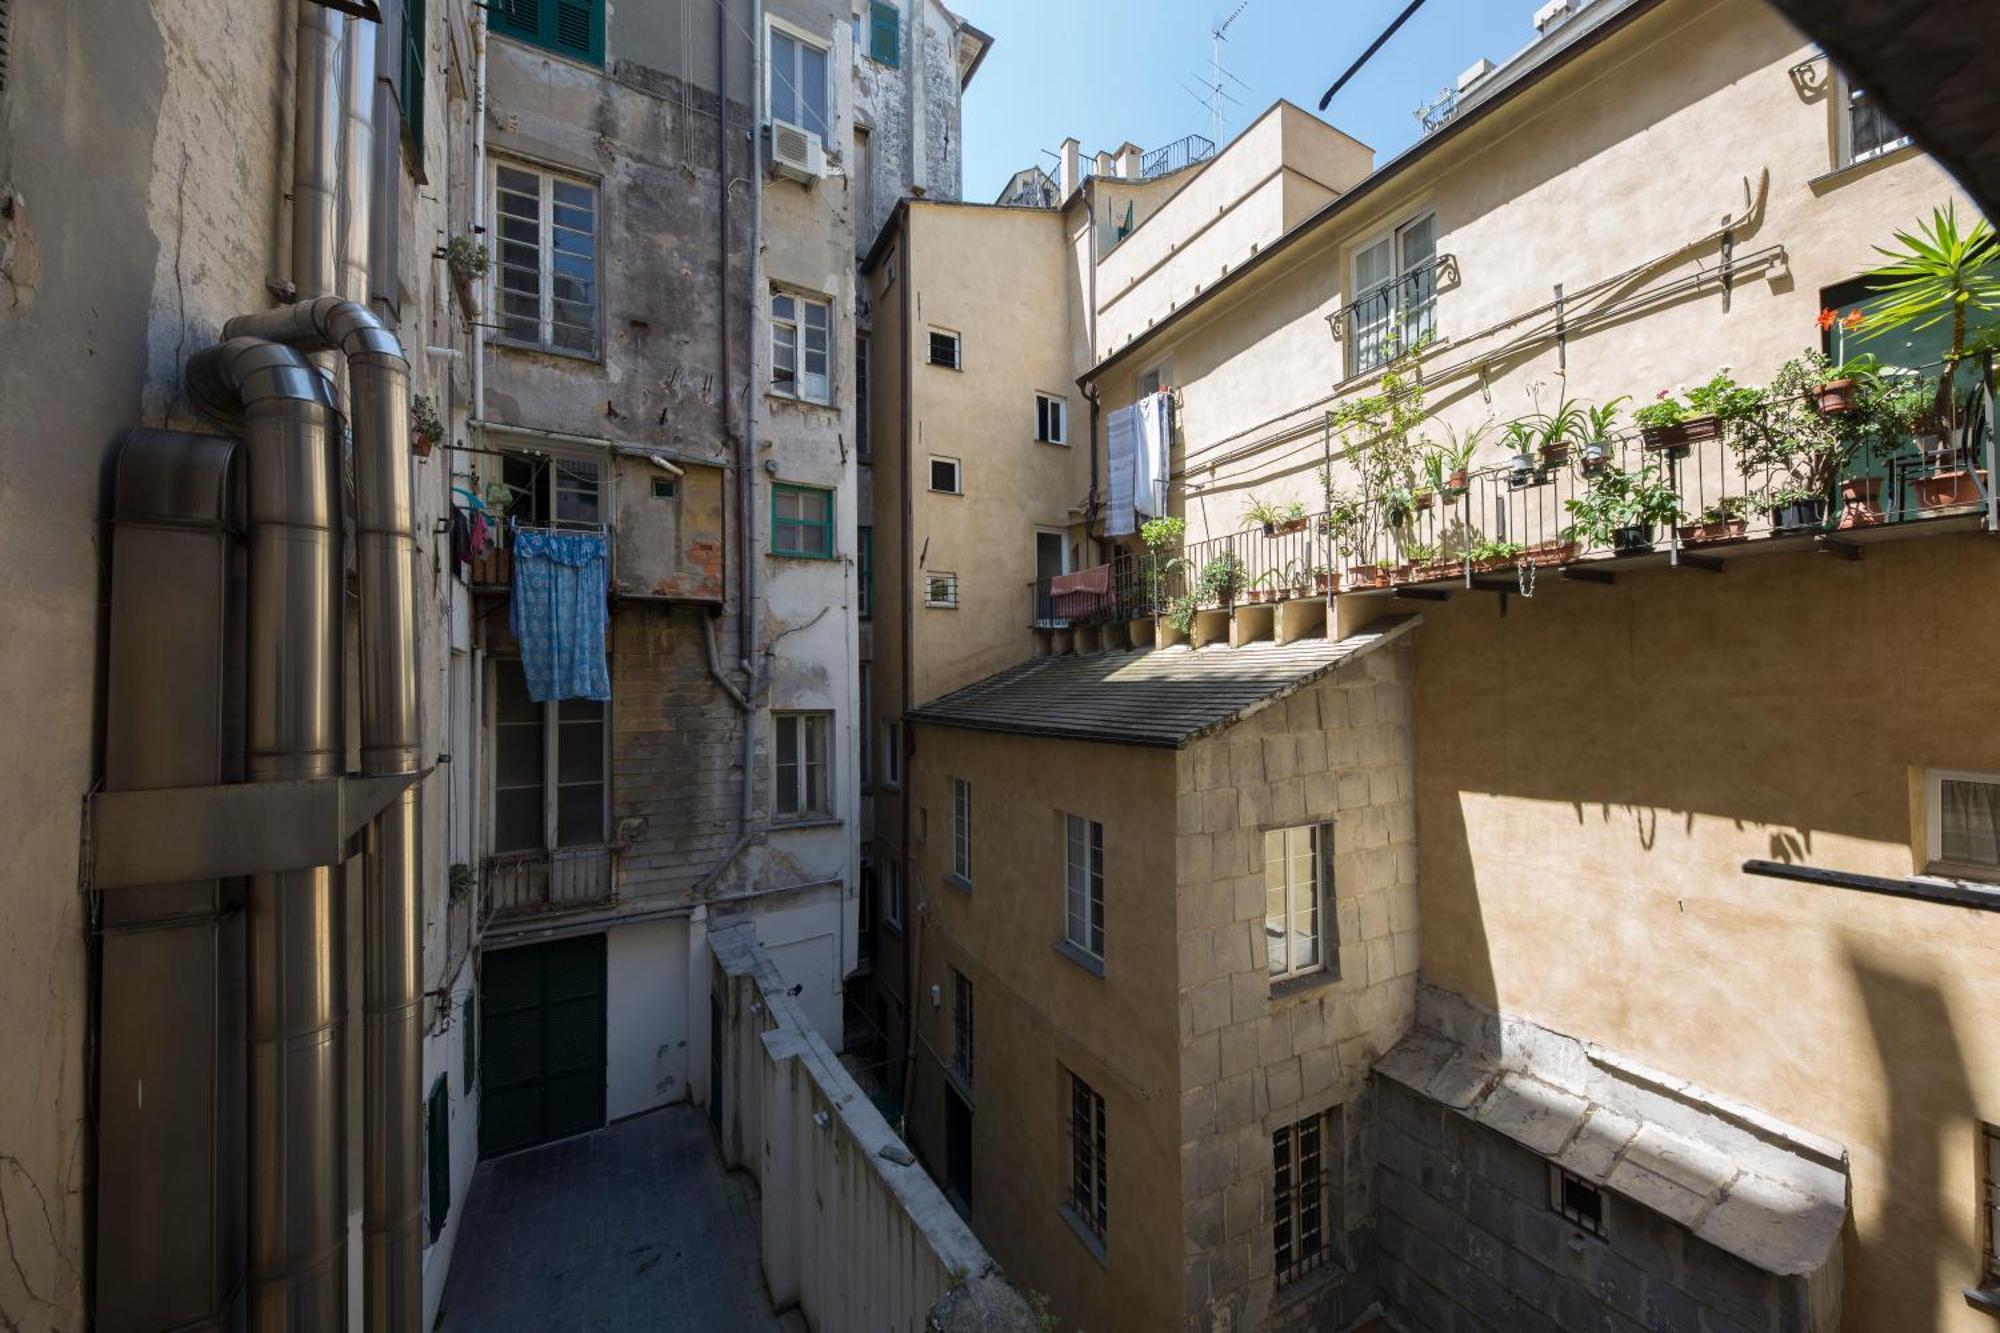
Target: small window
point(892, 753)
point(944, 349)
point(545, 265)
point(1394, 307)
point(1304, 1158)
point(665, 488)
point(796, 81)
point(437, 1155)
point(801, 334)
point(1086, 1202)
point(804, 785)
point(412, 83)
point(864, 572)
point(1084, 884)
point(961, 1027)
point(885, 24)
point(945, 475)
point(1051, 419)
point(862, 449)
point(573, 28)
point(1577, 1199)
point(1964, 823)
point(941, 589)
point(552, 490)
point(1298, 869)
point(801, 521)
point(1989, 1165)
point(892, 898)
point(961, 829)
point(1865, 129)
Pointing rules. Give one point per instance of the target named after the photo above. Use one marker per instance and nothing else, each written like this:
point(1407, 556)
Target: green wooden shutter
point(437, 1152)
point(885, 32)
point(516, 18)
point(413, 72)
point(574, 28)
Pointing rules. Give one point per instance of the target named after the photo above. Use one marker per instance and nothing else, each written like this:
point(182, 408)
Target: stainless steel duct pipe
point(316, 127)
point(297, 1270)
point(392, 988)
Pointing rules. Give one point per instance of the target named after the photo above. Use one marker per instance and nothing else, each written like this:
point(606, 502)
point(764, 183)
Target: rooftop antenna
point(1217, 36)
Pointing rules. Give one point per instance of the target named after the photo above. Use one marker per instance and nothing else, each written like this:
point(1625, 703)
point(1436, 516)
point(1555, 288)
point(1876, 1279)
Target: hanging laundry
point(1121, 443)
point(1155, 422)
point(461, 537)
point(558, 615)
point(482, 535)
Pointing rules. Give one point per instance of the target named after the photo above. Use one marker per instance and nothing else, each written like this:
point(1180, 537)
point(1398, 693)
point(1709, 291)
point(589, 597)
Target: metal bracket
point(1844, 549)
point(1424, 594)
point(169, 835)
point(1707, 564)
point(1571, 574)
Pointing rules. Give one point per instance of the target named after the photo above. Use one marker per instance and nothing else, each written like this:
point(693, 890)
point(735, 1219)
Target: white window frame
point(1158, 376)
point(545, 181)
point(775, 25)
point(1934, 861)
point(1295, 894)
point(1844, 93)
point(892, 753)
point(957, 486)
point(1400, 270)
point(551, 770)
point(796, 331)
point(1083, 884)
point(804, 722)
point(941, 590)
point(957, 361)
point(1051, 407)
point(961, 830)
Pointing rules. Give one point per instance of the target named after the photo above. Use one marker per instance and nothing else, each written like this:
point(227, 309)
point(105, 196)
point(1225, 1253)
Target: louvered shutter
point(885, 32)
point(516, 18)
point(413, 72)
point(577, 29)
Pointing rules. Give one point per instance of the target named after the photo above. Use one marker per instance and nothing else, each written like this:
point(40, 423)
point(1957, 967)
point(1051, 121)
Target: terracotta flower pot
point(1550, 553)
point(1555, 455)
point(421, 445)
point(1322, 583)
point(1721, 530)
point(1367, 576)
point(1860, 502)
point(1424, 499)
point(1458, 483)
point(1288, 525)
point(1836, 396)
point(1948, 490)
point(1682, 433)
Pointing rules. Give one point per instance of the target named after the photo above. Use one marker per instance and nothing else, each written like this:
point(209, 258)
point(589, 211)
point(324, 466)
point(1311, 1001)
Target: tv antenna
point(1217, 92)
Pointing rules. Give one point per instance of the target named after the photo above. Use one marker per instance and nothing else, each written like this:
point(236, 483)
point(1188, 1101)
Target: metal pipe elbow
point(226, 379)
point(324, 324)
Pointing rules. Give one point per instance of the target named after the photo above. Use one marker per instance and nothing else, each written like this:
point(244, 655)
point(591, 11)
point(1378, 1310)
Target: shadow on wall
point(1928, 1102)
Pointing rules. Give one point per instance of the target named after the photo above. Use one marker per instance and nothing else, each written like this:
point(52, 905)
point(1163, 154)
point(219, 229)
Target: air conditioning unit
point(794, 152)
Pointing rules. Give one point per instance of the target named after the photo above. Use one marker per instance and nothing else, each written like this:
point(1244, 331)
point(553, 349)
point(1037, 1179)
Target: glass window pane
point(510, 694)
point(782, 307)
point(812, 88)
point(580, 815)
point(580, 752)
point(517, 820)
point(812, 505)
point(784, 78)
point(1372, 266)
point(1419, 242)
point(517, 760)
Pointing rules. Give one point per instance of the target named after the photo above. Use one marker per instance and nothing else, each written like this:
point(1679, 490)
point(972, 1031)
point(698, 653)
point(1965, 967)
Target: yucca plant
point(1938, 272)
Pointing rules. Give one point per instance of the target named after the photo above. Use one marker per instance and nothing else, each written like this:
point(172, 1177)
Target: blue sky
point(1110, 70)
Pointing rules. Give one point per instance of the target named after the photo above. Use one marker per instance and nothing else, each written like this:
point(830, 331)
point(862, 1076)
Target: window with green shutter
point(573, 28)
point(885, 32)
point(413, 73)
point(801, 521)
point(437, 1151)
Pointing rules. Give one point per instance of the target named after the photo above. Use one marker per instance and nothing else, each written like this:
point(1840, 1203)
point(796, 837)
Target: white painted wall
point(800, 932)
point(444, 1052)
point(646, 1017)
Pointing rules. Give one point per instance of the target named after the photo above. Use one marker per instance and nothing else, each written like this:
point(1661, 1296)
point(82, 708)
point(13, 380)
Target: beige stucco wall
point(1614, 163)
point(1255, 1057)
point(1588, 874)
point(1038, 1014)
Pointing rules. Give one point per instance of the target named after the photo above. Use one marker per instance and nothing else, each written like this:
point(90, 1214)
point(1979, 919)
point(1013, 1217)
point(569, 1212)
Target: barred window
point(1086, 1157)
point(1302, 1231)
point(961, 1027)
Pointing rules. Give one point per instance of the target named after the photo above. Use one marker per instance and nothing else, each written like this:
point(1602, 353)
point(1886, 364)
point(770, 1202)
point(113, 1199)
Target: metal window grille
point(944, 349)
point(961, 1027)
point(1086, 1148)
point(1301, 1234)
point(941, 590)
point(1870, 132)
point(1084, 884)
point(864, 573)
point(1577, 1200)
point(961, 829)
point(1989, 1142)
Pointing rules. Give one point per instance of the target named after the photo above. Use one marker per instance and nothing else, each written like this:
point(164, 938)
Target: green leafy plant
point(1481, 551)
point(1726, 510)
point(1161, 533)
point(1436, 471)
point(1180, 612)
point(1267, 515)
point(1555, 430)
point(1621, 499)
point(1420, 553)
point(1460, 449)
point(1381, 433)
point(1600, 423)
point(1220, 579)
point(1342, 520)
point(426, 428)
point(466, 258)
point(1790, 442)
point(1938, 272)
point(1720, 396)
point(460, 881)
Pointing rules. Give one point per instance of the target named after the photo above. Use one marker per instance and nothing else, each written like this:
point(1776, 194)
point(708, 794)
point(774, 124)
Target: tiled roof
point(1164, 697)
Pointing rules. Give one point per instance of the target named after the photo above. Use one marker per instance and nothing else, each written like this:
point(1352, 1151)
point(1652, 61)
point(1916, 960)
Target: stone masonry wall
point(1254, 1060)
point(1466, 1240)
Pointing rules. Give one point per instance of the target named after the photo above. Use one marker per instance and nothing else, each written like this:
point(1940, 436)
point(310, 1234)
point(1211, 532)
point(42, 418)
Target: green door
point(541, 1043)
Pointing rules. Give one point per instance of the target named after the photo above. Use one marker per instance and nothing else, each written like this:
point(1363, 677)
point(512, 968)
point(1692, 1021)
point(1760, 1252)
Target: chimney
point(1129, 160)
point(1070, 171)
point(1102, 165)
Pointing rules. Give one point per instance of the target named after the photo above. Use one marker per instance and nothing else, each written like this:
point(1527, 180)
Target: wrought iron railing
point(1393, 316)
point(568, 878)
point(1180, 153)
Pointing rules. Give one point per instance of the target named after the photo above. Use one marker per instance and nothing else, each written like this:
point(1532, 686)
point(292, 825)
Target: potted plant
point(1594, 433)
point(1491, 554)
point(426, 430)
point(1554, 431)
point(1721, 521)
point(1397, 505)
point(1676, 419)
point(1163, 539)
point(1523, 439)
point(1382, 443)
point(1275, 519)
point(1839, 392)
point(1940, 272)
point(467, 261)
point(1457, 454)
point(1180, 612)
point(1794, 508)
point(1793, 448)
point(1220, 580)
point(1621, 508)
point(1322, 578)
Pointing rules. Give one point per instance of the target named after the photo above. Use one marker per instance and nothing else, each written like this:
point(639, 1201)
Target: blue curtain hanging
point(557, 613)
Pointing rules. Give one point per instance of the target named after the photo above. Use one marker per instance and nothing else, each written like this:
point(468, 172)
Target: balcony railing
point(1394, 316)
point(1172, 157)
point(1511, 522)
point(1110, 593)
point(569, 878)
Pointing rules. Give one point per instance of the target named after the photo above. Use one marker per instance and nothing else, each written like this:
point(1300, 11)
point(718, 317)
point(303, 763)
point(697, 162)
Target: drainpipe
point(479, 209)
point(908, 524)
point(746, 488)
point(316, 151)
point(392, 989)
point(283, 410)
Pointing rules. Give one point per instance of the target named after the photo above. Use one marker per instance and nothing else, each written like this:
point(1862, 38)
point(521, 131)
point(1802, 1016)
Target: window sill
point(893, 927)
point(939, 491)
point(802, 555)
point(1088, 962)
point(779, 395)
point(1058, 444)
point(1091, 1240)
point(529, 44)
point(959, 882)
point(1305, 981)
point(1303, 1288)
point(1986, 1300)
point(787, 822)
point(941, 365)
point(1840, 175)
point(958, 1084)
point(568, 354)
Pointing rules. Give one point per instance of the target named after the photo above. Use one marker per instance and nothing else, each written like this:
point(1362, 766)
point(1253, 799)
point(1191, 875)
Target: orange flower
point(1854, 320)
point(1827, 318)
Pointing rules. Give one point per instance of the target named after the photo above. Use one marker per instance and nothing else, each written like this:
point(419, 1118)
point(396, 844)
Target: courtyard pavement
point(632, 1227)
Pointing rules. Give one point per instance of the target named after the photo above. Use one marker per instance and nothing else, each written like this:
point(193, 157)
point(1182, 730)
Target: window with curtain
point(1965, 822)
